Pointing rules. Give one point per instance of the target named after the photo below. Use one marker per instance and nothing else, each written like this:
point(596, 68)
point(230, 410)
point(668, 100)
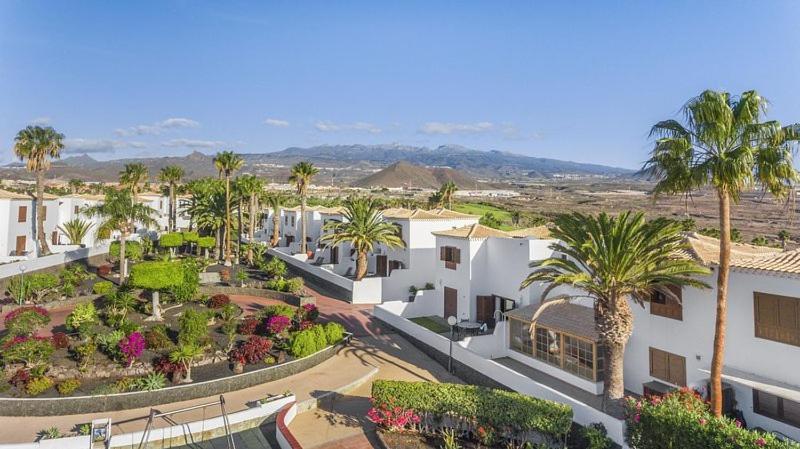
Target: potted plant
point(412, 293)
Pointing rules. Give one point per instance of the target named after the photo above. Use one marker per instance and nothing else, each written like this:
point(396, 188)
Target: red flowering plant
point(278, 324)
point(218, 301)
point(26, 320)
point(305, 324)
point(308, 312)
point(20, 378)
point(253, 350)
point(173, 370)
point(132, 347)
point(392, 417)
point(683, 419)
point(60, 340)
point(248, 325)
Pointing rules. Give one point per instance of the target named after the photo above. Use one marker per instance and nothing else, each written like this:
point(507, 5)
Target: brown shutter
point(658, 364)
point(22, 214)
point(457, 255)
point(443, 253)
point(677, 370)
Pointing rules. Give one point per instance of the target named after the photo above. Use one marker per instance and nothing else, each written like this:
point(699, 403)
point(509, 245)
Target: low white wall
point(582, 413)
point(283, 440)
point(426, 303)
point(12, 269)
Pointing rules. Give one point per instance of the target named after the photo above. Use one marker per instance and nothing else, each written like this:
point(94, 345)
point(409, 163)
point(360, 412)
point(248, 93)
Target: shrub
point(73, 276)
point(392, 418)
point(84, 354)
point(68, 386)
point(193, 327)
point(334, 333)
point(103, 287)
point(20, 378)
point(682, 419)
point(31, 351)
point(156, 275)
point(248, 325)
point(156, 337)
point(304, 343)
point(82, 316)
point(320, 338)
point(253, 350)
point(225, 275)
point(277, 284)
point(59, 340)
point(151, 382)
point(206, 242)
point(278, 324)
point(498, 409)
point(305, 324)
point(279, 310)
point(190, 236)
point(132, 347)
point(309, 312)
point(187, 290)
point(275, 268)
point(171, 240)
point(39, 385)
point(36, 287)
point(170, 369)
point(133, 250)
point(596, 437)
point(294, 285)
point(218, 301)
point(109, 342)
point(26, 320)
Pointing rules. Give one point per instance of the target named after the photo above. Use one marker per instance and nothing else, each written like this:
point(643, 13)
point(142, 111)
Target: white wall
point(12, 269)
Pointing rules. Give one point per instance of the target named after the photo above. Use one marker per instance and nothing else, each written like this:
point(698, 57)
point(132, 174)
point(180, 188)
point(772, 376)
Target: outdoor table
point(469, 327)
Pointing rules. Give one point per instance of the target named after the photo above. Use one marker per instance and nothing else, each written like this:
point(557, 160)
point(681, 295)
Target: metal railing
point(154, 414)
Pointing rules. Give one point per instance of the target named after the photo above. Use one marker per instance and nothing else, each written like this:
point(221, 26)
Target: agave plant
point(151, 382)
point(76, 230)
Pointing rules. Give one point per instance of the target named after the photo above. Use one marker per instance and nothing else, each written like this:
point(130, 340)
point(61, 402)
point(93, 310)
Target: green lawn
point(481, 209)
point(432, 323)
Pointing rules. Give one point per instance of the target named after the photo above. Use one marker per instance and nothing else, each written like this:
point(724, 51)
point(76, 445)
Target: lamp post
point(22, 269)
point(451, 320)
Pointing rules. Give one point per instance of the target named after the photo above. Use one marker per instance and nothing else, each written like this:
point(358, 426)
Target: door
point(486, 310)
point(335, 255)
point(382, 266)
point(22, 242)
point(450, 302)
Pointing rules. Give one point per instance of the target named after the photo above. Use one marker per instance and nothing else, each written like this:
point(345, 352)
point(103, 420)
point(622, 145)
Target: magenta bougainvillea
point(310, 312)
point(277, 324)
point(132, 347)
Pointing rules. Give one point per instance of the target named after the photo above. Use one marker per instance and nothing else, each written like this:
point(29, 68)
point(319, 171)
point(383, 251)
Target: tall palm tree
point(611, 259)
point(275, 201)
point(723, 144)
point(446, 193)
point(301, 176)
point(36, 146)
point(172, 175)
point(133, 177)
point(363, 227)
point(207, 207)
point(227, 162)
point(75, 230)
point(119, 212)
point(248, 189)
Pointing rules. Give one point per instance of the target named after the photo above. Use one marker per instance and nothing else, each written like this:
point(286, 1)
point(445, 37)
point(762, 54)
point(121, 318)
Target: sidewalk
point(340, 370)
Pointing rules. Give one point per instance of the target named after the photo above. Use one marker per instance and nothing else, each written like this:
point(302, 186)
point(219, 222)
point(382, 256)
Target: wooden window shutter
point(443, 253)
point(22, 214)
point(677, 369)
point(457, 255)
point(658, 364)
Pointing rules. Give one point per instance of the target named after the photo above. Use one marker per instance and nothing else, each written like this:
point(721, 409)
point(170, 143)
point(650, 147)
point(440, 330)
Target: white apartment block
point(161, 205)
point(73, 207)
point(18, 225)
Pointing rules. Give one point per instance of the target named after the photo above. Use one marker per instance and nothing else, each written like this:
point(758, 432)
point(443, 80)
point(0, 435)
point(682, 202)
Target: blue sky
point(571, 80)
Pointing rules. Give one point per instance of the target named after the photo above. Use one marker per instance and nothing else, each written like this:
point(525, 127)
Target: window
point(548, 346)
point(578, 356)
point(292, 221)
point(777, 318)
point(776, 407)
point(22, 214)
point(286, 219)
point(570, 353)
point(662, 305)
point(76, 210)
point(451, 256)
point(668, 367)
point(520, 335)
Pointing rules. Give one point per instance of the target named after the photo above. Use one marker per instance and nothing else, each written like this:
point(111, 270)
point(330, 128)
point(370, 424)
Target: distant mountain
point(403, 174)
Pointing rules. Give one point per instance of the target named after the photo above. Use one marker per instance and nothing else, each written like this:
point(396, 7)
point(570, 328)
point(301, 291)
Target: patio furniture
point(468, 327)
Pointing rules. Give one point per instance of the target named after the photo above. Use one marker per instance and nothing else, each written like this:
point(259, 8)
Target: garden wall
point(248, 291)
point(41, 263)
point(124, 401)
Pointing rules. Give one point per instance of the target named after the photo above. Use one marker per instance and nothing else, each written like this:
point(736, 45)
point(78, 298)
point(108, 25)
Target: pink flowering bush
point(278, 324)
point(683, 419)
point(132, 347)
point(392, 417)
point(309, 312)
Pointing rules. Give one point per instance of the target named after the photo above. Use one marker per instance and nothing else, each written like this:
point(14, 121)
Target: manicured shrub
point(334, 332)
point(304, 343)
point(206, 242)
point(133, 250)
point(294, 285)
point(218, 301)
point(156, 337)
point(68, 386)
point(193, 327)
point(84, 315)
point(187, 290)
point(39, 385)
point(59, 340)
point(103, 287)
point(498, 409)
point(251, 351)
point(279, 310)
point(249, 325)
point(26, 320)
point(278, 324)
point(132, 347)
point(190, 236)
point(682, 419)
point(156, 275)
point(171, 240)
point(275, 268)
point(30, 351)
point(308, 312)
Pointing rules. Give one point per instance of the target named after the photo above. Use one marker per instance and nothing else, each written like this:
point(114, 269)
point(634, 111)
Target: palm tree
point(784, 237)
point(611, 259)
point(515, 217)
point(275, 201)
point(36, 145)
point(133, 177)
point(75, 230)
point(207, 207)
point(119, 212)
point(75, 185)
point(227, 162)
point(301, 176)
point(185, 355)
point(363, 227)
point(723, 145)
point(248, 188)
point(446, 193)
point(172, 175)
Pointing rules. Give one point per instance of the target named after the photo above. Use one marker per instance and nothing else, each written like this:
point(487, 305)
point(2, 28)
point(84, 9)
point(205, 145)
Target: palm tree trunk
point(188, 378)
point(123, 263)
point(276, 227)
point(615, 325)
point(228, 256)
point(239, 235)
point(303, 247)
point(722, 301)
point(251, 231)
point(171, 221)
point(43, 248)
point(156, 306)
point(361, 265)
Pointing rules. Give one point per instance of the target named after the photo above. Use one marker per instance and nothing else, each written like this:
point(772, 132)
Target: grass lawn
point(432, 323)
point(481, 209)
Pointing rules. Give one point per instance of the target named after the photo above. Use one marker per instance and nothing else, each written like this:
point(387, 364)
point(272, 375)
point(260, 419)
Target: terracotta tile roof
point(338, 210)
point(8, 195)
point(538, 232)
point(421, 214)
point(706, 250)
point(783, 262)
point(474, 231)
point(570, 318)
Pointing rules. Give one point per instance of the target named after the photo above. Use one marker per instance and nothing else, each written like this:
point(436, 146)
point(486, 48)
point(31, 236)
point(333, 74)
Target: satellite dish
point(451, 320)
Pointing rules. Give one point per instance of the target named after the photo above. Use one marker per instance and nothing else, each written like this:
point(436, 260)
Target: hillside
point(405, 174)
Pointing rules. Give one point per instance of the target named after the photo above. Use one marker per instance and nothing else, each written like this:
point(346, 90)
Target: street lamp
point(22, 269)
point(451, 320)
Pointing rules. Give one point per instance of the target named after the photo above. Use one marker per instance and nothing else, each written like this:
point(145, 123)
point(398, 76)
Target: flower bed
point(683, 420)
point(486, 415)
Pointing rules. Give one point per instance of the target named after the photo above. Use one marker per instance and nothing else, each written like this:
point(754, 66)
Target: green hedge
point(156, 275)
point(496, 408)
point(133, 250)
point(683, 420)
point(190, 236)
point(171, 240)
point(206, 242)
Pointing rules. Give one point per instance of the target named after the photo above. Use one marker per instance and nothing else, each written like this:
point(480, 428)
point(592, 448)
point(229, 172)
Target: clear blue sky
point(571, 80)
